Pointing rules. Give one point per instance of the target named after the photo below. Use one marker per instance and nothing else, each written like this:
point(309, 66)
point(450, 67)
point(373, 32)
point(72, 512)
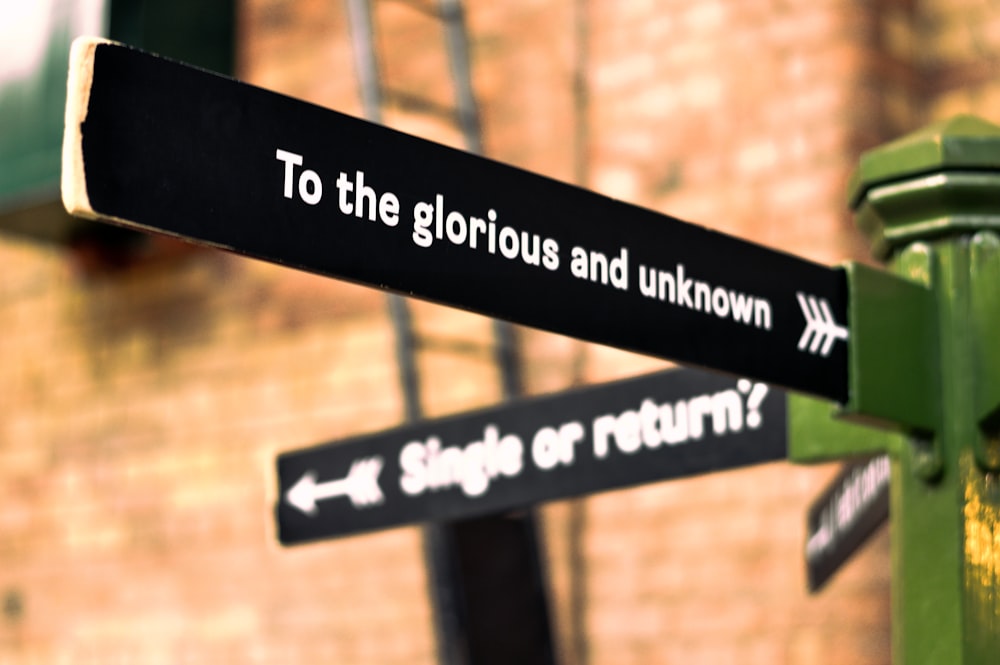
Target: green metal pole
point(930, 202)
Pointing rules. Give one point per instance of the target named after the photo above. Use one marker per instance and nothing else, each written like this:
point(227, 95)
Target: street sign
point(164, 147)
point(854, 506)
point(667, 425)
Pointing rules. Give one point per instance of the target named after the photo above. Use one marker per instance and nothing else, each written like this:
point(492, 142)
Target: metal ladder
point(479, 619)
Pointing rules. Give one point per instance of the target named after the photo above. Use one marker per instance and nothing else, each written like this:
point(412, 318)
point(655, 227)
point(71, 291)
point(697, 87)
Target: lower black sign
point(842, 519)
point(667, 425)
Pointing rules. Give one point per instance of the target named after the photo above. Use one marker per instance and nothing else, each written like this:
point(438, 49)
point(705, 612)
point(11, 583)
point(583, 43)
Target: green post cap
point(940, 180)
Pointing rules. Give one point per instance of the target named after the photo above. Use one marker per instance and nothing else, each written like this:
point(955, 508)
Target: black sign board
point(667, 425)
point(840, 521)
point(164, 147)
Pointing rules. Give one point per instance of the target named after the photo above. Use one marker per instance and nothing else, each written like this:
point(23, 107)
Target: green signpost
point(926, 363)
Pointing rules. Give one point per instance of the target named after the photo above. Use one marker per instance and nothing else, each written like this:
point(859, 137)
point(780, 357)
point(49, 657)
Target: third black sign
point(849, 511)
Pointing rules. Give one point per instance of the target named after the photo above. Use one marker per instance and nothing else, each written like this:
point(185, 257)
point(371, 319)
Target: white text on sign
point(433, 221)
point(428, 465)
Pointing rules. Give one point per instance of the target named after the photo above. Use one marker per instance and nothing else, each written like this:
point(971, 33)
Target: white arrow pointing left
point(360, 486)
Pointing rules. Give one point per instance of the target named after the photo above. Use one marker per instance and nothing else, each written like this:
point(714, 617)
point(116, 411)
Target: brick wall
point(141, 417)
point(141, 411)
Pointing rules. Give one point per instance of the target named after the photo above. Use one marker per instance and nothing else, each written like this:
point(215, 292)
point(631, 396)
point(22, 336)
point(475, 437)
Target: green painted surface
point(817, 434)
point(939, 181)
point(892, 369)
point(964, 142)
point(31, 139)
point(930, 205)
point(931, 202)
point(985, 318)
point(32, 107)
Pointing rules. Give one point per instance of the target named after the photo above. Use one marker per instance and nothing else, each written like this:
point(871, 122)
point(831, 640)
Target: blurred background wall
point(145, 391)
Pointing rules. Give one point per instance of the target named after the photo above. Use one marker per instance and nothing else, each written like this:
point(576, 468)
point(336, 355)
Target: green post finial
point(941, 180)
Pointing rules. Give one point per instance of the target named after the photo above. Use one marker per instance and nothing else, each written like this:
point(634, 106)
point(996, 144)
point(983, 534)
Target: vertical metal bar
point(406, 343)
point(370, 90)
point(467, 112)
point(924, 518)
point(437, 541)
point(581, 92)
point(500, 579)
point(486, 578)
point(456, 38)
point(362, 31)
point(576, 525)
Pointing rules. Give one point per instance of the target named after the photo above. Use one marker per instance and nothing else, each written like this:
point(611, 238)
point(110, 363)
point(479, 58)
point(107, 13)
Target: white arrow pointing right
point(822, 330)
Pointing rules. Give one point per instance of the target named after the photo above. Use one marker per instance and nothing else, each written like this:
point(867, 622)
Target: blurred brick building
point(142, 407)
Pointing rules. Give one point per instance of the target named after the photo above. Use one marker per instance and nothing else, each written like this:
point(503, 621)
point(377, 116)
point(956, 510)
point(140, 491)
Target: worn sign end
point(81, 76)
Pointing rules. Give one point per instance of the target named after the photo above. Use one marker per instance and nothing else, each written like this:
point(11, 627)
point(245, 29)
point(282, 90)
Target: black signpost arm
point(155, 145)
point(840, 521)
